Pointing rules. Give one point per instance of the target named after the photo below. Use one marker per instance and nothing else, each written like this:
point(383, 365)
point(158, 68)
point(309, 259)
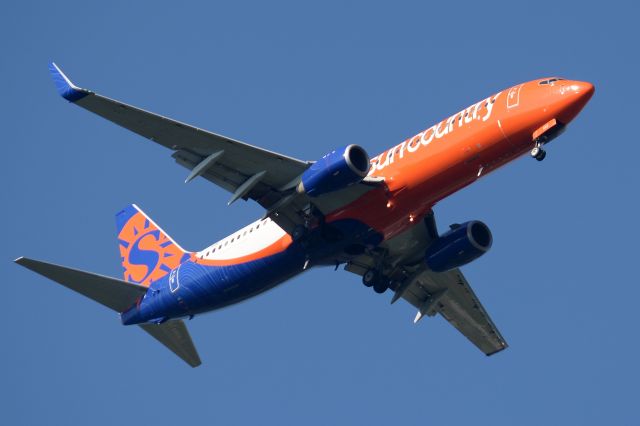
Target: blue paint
point(455, 247)
point(148, 258)
point(204, 288)
point(123, 216)
point(329, 174)
point(66, 90)
point(194, 288)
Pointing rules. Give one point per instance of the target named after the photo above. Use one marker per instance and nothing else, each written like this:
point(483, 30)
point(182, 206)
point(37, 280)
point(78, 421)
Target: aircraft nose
point(581, 92)
point(583, 89)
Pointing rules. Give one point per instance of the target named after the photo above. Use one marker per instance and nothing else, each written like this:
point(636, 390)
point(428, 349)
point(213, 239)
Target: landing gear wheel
point(538, 153)
point(369, 278)
point(380, 286)
point(535, 151)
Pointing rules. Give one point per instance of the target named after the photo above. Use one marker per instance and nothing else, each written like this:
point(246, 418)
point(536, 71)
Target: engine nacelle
point(336, 170)
point(459, 246)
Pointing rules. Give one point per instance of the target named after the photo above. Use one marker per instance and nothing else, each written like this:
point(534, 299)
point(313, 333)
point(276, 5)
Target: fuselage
point(418, 172)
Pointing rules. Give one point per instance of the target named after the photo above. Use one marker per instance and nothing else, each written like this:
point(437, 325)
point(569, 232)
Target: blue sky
point(560, 280)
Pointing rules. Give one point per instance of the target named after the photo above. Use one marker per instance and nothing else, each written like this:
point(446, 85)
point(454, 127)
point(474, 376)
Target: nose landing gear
point(545, 134)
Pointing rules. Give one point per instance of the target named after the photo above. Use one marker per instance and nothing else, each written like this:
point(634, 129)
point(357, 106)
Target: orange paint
point(141, 234)
point(455, 152)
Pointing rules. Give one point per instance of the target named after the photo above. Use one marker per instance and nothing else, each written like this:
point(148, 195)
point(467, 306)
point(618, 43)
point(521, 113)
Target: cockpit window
point(550, 81)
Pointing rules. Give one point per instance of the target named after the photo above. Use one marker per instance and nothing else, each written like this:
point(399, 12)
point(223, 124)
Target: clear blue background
point(560, 282)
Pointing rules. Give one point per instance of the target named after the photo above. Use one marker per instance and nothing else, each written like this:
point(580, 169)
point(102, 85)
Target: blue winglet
point(65, 87)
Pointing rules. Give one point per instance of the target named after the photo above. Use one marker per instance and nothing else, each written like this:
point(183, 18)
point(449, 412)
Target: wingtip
point(65, 87)
point(19, 260)
point(497, 350)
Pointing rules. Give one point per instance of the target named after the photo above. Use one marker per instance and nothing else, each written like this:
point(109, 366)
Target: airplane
point(373, 216)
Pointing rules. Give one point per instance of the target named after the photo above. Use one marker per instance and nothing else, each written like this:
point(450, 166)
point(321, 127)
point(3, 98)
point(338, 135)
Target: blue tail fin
point(147, 252)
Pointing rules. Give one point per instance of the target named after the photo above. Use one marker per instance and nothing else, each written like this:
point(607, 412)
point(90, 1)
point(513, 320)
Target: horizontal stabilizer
point(111, 292)
point(175, 336)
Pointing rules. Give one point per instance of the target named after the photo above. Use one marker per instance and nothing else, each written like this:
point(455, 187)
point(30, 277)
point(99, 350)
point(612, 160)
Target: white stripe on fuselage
point(248, 240)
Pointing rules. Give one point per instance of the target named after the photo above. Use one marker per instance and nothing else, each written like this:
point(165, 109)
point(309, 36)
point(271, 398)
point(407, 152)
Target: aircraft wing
point(450, 295)
point(242, 169)
point(447, 293)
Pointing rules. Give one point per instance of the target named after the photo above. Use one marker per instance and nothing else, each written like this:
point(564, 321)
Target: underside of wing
point(401, 260)
point(246, 171)
point(450, 295)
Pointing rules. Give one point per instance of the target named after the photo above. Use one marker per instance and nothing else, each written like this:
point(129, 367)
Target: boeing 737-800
point(372, 215)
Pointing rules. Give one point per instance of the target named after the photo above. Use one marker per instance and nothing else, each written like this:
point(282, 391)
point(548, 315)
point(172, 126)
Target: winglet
point(65, 87)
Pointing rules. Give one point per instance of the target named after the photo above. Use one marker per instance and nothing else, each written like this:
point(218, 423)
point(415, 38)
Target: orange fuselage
point(455, 152)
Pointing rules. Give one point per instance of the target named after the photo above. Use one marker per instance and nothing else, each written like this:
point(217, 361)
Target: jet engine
point(336, 170)
point(459, 246)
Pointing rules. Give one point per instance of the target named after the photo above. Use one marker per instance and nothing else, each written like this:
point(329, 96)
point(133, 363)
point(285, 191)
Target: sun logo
point(147, 253)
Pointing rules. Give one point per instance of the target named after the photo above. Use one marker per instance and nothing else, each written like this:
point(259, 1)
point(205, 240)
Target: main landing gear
point(537, 152)
point(375, 279)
